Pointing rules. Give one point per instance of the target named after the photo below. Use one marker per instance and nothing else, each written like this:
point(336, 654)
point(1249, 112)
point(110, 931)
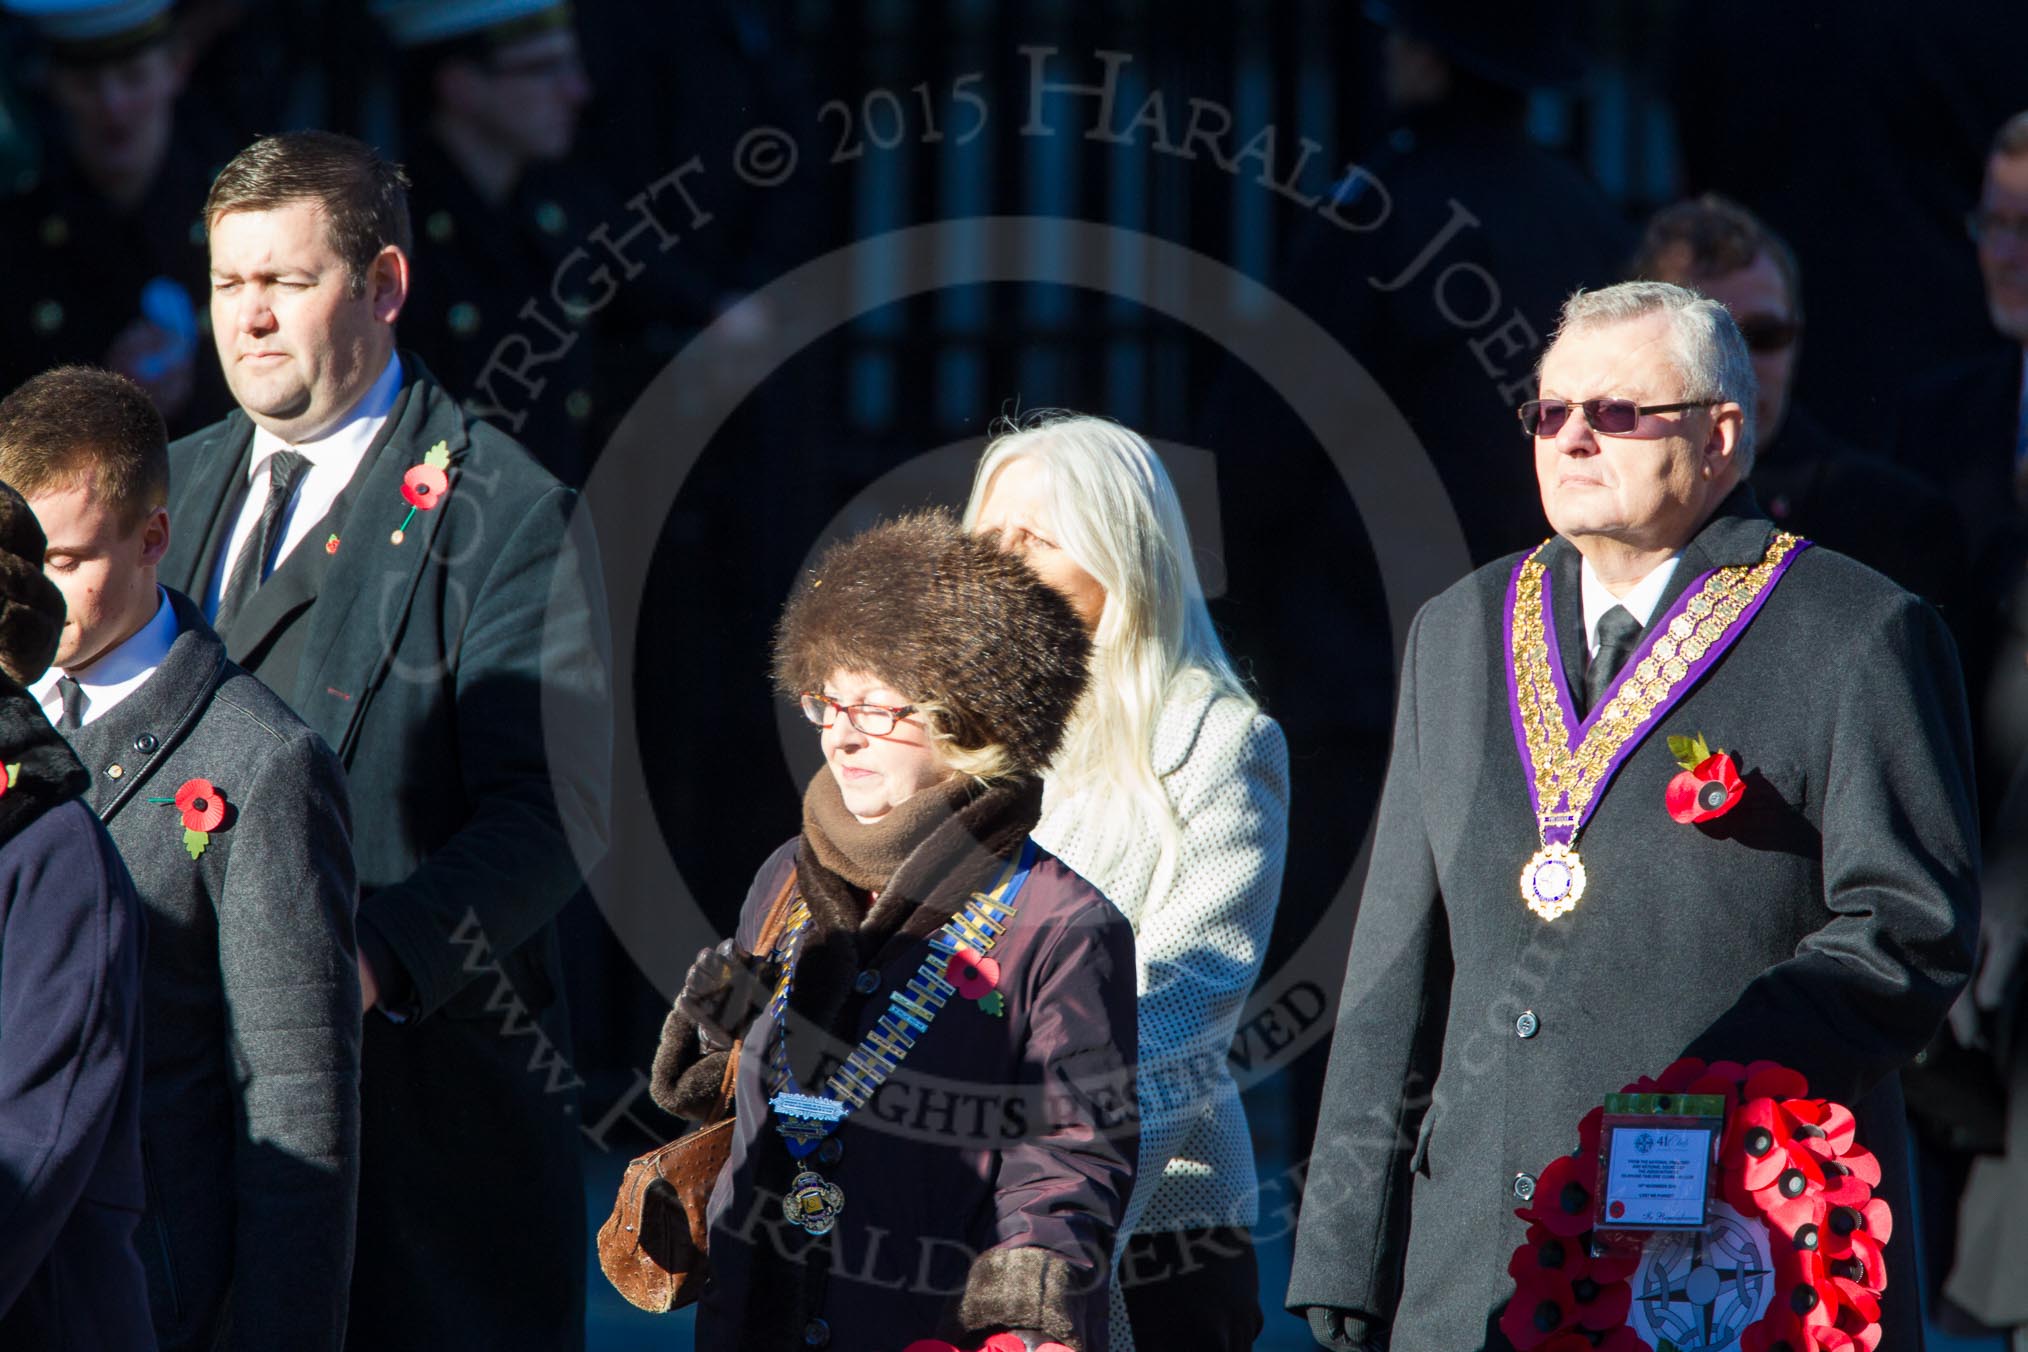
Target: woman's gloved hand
point(721, 995)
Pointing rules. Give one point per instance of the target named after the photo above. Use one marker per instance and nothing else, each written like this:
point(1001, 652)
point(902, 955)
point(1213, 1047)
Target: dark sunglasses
point(1614, 417)
point(1769, 335)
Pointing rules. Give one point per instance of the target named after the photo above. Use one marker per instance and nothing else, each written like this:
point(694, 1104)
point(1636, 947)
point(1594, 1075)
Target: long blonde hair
point(1117, 516)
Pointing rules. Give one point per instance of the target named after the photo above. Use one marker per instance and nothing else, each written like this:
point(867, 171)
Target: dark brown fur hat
point(31, 608)
point(949, 620)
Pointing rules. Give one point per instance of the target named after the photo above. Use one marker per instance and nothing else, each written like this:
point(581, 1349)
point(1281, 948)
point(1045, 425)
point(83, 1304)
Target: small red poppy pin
point(424, 486)
point(6, 783)
point(1709, 785)
point(202, 806)
point(977, 979)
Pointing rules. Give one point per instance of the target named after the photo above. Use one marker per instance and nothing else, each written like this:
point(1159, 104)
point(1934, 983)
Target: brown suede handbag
point(655, 1256)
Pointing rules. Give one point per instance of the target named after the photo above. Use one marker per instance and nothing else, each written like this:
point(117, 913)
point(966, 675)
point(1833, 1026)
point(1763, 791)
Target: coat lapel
point(217, 483)
point(1736, 535)
point(159, 715)
point(349, 650)
point(297, 582)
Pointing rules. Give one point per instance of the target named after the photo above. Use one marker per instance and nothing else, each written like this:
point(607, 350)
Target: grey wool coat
point(250, 1088)
point(1825, 923)
point(442, 670)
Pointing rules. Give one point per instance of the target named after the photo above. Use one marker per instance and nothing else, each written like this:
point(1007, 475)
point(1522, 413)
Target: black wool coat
point(71, 938)
point(1825, 923)
point(250, 1092)
point(985, 1181)
point(443, 670)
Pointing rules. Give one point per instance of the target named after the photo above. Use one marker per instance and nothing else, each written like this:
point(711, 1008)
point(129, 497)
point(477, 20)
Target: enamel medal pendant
point(1553, 882)
point(812, 1204)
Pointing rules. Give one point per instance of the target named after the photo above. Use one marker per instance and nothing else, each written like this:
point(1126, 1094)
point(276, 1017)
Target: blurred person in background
point(1806, 478)
point(106, 249)
point(1966, 425)
point(1964, 428)
point(1441, 262)
point(1171, 795)
point(490, 95)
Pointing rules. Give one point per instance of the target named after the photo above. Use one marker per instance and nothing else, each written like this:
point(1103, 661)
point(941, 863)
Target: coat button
point(831, 1151)
point(868, 982)
point(1524, 1186)
point(146, 744)
point(1527, 1025)
point(816, 1333)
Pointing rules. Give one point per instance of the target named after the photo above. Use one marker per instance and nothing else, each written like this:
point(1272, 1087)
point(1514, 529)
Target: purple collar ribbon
point(1568, 762)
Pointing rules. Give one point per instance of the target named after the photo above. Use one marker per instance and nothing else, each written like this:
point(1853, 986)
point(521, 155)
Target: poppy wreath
point(999, 1342)
point(1787, 1161)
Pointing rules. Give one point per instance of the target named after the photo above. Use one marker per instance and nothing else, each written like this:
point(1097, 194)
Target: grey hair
point(2012, 138)
point(1705, 342)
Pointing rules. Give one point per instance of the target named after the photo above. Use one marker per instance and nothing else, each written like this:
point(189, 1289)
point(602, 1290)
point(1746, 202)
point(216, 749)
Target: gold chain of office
point(1571, 778)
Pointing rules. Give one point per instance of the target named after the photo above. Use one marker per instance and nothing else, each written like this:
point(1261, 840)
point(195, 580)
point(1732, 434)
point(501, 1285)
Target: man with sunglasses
point(1544, 920)
point(1806, 478)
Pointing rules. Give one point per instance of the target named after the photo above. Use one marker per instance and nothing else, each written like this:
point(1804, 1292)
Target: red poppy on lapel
point(202, 805)
point(973, 975)
point(423, 487)
point(1709, 785)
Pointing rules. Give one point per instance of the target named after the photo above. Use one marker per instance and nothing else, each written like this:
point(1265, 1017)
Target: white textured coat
point(1199, 945)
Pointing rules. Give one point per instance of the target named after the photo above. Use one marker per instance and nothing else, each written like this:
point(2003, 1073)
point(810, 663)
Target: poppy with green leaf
point(1709, 785)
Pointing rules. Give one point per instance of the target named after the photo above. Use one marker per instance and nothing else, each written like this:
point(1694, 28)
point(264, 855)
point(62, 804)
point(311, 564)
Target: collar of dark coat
point(342, 661)
point(344, 658)
point(49, 773)
point(1736, 533)
point(964, 855)
point(165, 709)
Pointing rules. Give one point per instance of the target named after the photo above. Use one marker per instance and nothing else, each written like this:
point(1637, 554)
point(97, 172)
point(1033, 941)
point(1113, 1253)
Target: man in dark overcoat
point(1823, 922)
point(412, 583)
point(232, 818)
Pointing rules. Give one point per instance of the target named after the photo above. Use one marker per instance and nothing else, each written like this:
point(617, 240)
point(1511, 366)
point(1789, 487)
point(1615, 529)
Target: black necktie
point(1618, 633)
point(72, 695)
point(285, 471)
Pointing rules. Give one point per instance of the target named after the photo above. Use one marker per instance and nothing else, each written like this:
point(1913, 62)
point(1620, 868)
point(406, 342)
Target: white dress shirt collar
point(340, 449)
point(119, 672)
point(334, 458)
point(1639, 601)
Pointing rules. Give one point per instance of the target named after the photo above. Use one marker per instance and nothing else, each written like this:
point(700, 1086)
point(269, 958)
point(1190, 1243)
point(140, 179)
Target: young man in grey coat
point(232, 817)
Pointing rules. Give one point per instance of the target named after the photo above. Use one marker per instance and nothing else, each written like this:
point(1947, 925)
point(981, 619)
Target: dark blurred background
point(1426, 181)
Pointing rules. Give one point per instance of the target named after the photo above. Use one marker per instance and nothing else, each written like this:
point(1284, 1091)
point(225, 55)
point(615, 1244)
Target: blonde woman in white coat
point(1171, 796)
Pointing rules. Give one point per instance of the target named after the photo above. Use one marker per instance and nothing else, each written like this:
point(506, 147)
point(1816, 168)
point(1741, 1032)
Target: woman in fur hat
point(1171, 794)
point(933, 1137)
